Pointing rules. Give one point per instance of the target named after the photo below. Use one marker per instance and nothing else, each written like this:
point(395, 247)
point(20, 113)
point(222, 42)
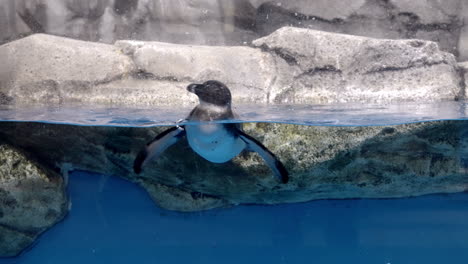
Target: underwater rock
point(292, 65)
point(176, 199)
point(323, 162)
point(32, 199)
point(321, 67)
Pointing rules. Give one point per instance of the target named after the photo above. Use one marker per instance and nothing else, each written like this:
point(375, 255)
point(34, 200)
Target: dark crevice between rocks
point(183, 196)
point(27, 233)
point(289, 59)
point(326, 68)
point(125, 7)
point(266, 9)
point(412, 65)
point(5, 99)
point(318, 70)
point(30, 20)
point(388, 69)
point(144, 75)
point(286, 57)
point(198, 195)
point(461, 95)
point(107, 80)
point(413, 24)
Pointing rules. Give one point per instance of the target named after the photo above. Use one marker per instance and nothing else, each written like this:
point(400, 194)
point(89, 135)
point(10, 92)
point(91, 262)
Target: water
point(317, 115)
point(118, 223)
point(105, 226)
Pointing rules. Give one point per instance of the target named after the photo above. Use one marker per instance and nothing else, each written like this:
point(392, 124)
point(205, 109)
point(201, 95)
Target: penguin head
point(212, 92)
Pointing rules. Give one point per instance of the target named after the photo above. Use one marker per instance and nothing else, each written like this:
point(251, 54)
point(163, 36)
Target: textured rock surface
point(206, 22)
point(324, 162)
point(32, 199)
point(434, 20)
point(463, 39)
point(48, 69)
point(464, 71)
point(292, 65)
point(248, 72)
point(325, 67)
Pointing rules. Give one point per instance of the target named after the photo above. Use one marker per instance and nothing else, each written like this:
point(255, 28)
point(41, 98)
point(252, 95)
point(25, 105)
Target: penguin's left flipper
point(271, 160)
point(157, 146)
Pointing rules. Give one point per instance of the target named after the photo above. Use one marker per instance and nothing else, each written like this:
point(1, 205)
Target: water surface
point(318, 115)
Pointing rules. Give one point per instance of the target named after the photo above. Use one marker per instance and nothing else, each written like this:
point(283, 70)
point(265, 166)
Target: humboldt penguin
point(215, 142)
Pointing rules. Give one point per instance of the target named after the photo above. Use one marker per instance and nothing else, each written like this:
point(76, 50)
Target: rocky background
point(228, 22)
point(291, 65)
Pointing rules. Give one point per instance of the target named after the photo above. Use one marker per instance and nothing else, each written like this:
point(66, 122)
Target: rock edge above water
point(292, 65)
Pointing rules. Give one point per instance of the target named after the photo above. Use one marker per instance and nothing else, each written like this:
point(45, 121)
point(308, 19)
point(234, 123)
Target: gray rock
point(464, 71)
point(403, 19)
point(48, 69)
point(463, 39)
point(324, 162)
point(226, 22)
point(292, 65)
point(248, 72)
point(32, 199)
point(322, 67)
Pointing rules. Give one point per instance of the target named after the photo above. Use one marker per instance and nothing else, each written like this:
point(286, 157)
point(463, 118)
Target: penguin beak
point(192, 87)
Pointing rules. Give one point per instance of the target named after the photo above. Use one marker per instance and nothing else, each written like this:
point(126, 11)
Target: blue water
point(114, 221)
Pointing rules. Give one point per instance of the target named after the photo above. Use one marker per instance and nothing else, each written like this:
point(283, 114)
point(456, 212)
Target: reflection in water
point(320, 115)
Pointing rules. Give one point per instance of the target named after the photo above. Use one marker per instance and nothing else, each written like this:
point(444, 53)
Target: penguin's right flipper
point(271, 160)
point(157, 146)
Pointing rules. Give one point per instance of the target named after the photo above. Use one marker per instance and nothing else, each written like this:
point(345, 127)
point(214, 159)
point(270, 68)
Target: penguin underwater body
point(215, 142)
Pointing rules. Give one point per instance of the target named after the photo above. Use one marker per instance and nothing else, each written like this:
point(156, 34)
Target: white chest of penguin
point(214, 142)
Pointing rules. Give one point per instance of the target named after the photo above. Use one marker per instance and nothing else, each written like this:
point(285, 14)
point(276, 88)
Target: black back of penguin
point(214, 101)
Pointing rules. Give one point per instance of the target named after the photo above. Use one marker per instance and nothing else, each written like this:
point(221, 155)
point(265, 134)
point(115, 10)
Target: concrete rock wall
point(226, 22)
point(292, 65)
